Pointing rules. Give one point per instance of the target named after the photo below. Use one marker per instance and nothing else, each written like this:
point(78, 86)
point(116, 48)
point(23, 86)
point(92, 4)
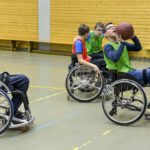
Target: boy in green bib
point(117, 58)
point(94, 43)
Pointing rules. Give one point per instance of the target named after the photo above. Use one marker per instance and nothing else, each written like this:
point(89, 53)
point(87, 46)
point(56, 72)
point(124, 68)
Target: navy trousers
point(18, 82)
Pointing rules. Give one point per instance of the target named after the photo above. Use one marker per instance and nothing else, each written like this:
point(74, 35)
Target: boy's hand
point(119, 38)
point(96, 69)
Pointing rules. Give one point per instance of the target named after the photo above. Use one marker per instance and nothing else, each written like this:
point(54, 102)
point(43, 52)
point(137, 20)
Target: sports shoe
point(18, 115)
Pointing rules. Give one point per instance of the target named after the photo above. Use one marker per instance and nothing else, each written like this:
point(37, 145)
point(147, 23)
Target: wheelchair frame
point(85, 81)
point(7, 118)
point(128, 103)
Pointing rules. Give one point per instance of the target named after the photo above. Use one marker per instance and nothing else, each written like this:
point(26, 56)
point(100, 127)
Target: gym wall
point(66, 15)
point(55, 22)
point(19, 20)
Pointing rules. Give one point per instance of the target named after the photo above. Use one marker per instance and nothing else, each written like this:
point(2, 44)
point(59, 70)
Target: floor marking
point(90, 141)
point(46, 87)
point(106, 132)
point(46, 97)
point(83, 145)
point(76, 148)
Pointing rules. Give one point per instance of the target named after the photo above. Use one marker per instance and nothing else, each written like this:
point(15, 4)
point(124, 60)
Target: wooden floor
point(61, 124)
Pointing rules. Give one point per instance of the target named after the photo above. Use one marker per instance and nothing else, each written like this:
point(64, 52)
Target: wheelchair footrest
point(22, 123)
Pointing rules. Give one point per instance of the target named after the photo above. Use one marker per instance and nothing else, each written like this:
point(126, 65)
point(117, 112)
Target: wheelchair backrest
point(74, 59)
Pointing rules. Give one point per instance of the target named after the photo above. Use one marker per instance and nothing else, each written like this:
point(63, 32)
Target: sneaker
point(18, 115)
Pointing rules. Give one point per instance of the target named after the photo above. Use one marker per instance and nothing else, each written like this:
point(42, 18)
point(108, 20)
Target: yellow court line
point(47, 87)
point(76, 148)
point(46, 97)
point(83, 145)
point(106, 132)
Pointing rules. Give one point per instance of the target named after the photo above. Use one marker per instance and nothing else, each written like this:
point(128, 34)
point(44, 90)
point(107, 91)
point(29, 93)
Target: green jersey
point(94, 43)
point(123, 64)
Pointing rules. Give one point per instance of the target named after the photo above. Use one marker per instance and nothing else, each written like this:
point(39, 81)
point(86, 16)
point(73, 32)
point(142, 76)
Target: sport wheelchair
point(7, 119)
point(83, 83)
point(128, 101)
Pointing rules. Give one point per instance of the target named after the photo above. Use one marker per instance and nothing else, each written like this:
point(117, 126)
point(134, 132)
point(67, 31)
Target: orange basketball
point(126, 30)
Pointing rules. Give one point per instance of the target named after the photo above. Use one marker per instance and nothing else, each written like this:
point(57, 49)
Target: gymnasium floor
point(61, 124)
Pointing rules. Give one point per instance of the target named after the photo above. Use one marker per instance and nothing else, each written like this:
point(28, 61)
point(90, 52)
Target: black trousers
point(98, 60)
point(97, 55)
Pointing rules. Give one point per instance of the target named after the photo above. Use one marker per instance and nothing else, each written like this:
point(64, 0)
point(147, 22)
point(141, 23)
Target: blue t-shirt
point(78, 47)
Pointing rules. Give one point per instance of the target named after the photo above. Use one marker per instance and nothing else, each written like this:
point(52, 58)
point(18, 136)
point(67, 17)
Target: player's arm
point(111, 54)
point(134, 47)
point(79, 50)
point(83, 62)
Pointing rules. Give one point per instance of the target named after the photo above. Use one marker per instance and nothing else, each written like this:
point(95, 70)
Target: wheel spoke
point(130, 105)
point(82, 86)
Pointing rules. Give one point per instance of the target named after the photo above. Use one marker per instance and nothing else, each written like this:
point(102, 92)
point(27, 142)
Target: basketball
point(126, 30)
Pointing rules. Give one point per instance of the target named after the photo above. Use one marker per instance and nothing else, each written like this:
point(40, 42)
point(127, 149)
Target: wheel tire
point(11, 112)
point(144, 102)
point(76, 98)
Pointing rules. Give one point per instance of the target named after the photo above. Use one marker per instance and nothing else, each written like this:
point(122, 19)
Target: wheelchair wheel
point(83, 84)
point(6, 111)
point(126, 104)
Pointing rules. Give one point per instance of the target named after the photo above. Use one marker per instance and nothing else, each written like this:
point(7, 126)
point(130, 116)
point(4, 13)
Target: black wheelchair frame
point(7, 119)
point(128, 101)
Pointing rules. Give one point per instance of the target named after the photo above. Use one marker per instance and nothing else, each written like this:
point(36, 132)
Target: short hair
point(99, 24)
point(83, 29)
point(108, 25)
